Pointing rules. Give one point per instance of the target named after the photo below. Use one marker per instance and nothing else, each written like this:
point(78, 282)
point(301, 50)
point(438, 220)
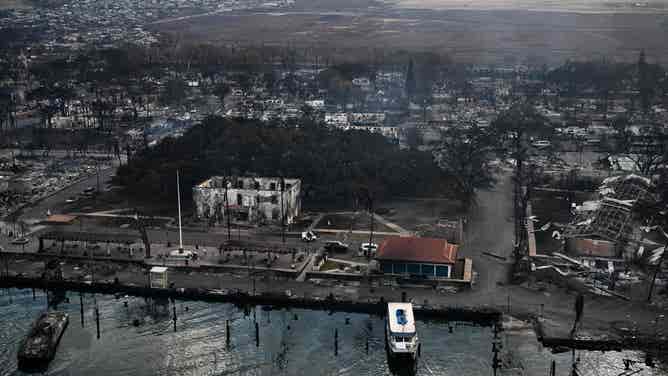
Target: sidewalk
point(402, 231)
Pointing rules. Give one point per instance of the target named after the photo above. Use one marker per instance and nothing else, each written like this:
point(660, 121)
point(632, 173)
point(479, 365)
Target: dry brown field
point(501, 36)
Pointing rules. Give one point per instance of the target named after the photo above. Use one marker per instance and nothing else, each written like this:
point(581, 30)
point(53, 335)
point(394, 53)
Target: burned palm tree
point(141, 227)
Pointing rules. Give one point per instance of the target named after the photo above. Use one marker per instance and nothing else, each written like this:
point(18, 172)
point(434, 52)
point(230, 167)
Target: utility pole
point(282, 209)
point(370, 199)
point(97, 172)
point(178, 197)
point(227, 210)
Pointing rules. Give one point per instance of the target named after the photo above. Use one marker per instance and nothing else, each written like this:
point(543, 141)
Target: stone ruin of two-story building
point(252, 200)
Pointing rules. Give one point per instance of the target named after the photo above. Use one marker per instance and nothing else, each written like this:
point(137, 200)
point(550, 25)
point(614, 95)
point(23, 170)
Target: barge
point(39, 347)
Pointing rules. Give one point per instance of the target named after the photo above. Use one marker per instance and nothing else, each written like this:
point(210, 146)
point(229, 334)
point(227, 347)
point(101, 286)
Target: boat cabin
point(401, 334)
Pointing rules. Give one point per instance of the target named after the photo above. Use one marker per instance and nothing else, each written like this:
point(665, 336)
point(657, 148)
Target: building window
point(274, 199)
point(272, 186)
point(399, 268)
point(443, 271)
point(413, 269)
point(428, 270)
point(257, 185)
point(240, 199)
point(274, 214)
point(387, 267)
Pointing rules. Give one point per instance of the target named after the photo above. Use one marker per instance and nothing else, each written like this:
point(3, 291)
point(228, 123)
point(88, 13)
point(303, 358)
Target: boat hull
point(40, 345)
point(404, 364)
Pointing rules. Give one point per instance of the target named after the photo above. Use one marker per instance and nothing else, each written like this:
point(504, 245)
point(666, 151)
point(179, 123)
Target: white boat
point(400, 333)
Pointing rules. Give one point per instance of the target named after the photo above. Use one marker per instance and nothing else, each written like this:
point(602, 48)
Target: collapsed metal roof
point(612, 219)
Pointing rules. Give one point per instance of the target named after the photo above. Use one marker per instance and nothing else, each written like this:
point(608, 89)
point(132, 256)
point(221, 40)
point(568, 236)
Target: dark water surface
point(289, 345)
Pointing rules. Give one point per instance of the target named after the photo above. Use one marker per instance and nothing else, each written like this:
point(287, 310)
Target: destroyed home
point(253, 200)
point(417, 257)
point(366, 118)
point(336, 119)
point(391, 133)
point(4, 183)
point(606, 228)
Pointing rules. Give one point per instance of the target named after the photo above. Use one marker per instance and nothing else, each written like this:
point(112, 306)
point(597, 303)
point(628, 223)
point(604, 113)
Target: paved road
point(39, 210)
point(490, 228)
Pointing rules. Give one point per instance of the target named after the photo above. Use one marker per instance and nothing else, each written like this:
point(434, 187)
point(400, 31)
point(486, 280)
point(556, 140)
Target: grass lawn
point(329, 265)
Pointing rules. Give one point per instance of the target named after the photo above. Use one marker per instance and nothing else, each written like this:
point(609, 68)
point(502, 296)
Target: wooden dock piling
point(81, 309)
point(227, 332)
point(97, 321)
point(336, 342)
point(257, 334)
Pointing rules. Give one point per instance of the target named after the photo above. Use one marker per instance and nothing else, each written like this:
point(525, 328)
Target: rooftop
point(116, 238)
point(611, 218)
point(60, 218)
point(158, 269)
point(414, 249)
point(401, 318)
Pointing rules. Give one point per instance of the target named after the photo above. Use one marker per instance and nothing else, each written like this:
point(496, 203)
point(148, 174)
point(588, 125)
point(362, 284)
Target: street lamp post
point(372, 221)
point(282, 209)
point(227, 210)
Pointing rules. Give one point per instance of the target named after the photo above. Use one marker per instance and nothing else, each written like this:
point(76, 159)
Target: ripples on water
point(295, 342)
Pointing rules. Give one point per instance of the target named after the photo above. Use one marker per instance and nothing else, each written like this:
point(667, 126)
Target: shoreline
point(479, 315)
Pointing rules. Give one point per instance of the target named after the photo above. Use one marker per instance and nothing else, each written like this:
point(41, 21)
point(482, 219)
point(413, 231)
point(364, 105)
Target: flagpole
point(178, 198)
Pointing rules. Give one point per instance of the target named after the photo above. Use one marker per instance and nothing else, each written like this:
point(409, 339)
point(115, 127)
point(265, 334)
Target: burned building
point(607, 228)
point(254, 200)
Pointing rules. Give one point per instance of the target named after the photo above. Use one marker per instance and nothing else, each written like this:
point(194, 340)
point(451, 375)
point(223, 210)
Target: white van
point(541, 144)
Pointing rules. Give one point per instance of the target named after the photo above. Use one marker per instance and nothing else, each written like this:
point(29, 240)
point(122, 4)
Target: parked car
point(20, 241)
point(541, 144)
point(335, 246)
point(368, 249)
point(593, 141)
point(309, 236)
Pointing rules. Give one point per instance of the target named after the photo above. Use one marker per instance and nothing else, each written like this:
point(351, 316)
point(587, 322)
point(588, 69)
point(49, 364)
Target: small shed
point(159, 277)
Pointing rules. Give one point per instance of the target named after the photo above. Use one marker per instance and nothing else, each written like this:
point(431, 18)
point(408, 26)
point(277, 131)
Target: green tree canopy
point(332, 164)
point(465, 154)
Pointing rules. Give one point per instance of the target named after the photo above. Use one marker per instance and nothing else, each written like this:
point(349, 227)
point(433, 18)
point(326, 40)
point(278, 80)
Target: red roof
point(412, 249)
point(60, 218)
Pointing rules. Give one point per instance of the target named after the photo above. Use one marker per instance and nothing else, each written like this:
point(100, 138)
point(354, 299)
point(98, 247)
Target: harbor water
point(137, 337)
